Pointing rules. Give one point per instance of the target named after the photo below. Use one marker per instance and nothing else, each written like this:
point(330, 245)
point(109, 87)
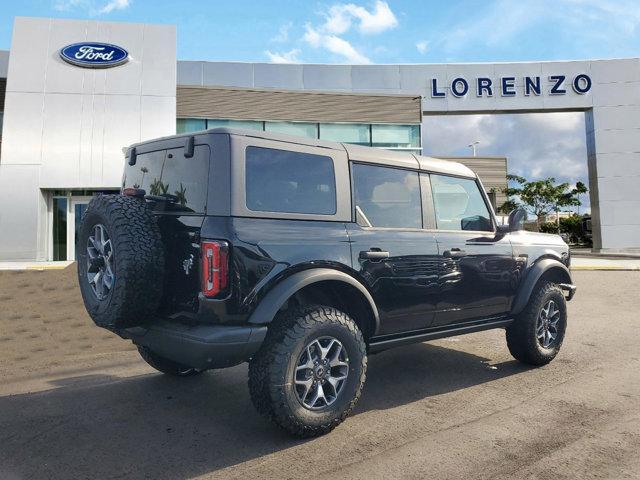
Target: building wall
point(4, 63)
point(265, 104)
point(612, 107)
point(65, 126)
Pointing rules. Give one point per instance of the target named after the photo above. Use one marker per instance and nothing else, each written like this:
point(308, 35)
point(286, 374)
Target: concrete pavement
point(77, 402)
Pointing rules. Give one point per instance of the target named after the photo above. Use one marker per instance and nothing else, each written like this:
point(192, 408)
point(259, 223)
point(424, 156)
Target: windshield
point(170, 179)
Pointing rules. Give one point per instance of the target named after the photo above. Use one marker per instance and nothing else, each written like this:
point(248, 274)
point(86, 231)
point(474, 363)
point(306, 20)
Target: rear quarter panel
point(267, 250)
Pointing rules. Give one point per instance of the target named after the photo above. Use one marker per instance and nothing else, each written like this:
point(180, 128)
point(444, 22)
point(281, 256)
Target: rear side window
point(387, 197)
point(289, 182)
point(459, 205)
point(168, 178)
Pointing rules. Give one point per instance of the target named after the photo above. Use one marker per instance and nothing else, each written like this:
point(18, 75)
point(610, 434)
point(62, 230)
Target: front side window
point(289, 182)
point(459, 205)
point(387, 197)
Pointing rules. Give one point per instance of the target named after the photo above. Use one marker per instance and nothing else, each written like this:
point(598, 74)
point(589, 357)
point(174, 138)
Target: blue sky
point(370, 31)
point(400, 31)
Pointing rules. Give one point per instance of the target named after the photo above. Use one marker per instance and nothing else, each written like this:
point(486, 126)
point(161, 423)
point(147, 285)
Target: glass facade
point(248, 124)
point(357, 133)
point(299, 129)
point(395, 136)
point(391, 136)
point(59, 228)
point(185, 125)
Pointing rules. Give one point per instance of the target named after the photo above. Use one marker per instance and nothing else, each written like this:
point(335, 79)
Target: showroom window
point(291, 182)
point(300, 129)
point(404, 137)
point(246, 124)
point(186, 125)
point(59, 228)
point(356, 133)
point(386, 197)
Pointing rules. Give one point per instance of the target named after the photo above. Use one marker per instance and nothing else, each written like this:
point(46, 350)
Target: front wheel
point(309, 373)
point(536, 335)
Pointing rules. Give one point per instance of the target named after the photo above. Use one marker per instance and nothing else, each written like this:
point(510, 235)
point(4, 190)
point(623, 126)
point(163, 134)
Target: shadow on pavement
point(158, 427)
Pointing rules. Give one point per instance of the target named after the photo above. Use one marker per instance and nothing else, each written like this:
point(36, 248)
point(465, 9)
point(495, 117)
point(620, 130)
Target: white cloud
point(340, 17)
point(283, 33)
point(536, 145)
point(422, 46)
point(114, 5)
point(285, 57)
point(92, 7)
point(335, 45)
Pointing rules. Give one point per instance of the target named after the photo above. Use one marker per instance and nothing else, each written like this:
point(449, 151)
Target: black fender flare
point(534, 274)
point(276, 297)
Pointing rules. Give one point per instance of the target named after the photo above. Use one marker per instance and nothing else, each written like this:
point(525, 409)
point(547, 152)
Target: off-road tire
point(166, 366)
point(138, 261)
point(271, 369)
point(521, 334)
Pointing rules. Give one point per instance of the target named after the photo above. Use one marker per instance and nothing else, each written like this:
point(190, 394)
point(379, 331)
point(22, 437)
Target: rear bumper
point(570, 289)
point(199, 346)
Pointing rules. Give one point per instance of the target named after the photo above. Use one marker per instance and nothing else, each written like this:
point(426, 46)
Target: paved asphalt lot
point(76, 402)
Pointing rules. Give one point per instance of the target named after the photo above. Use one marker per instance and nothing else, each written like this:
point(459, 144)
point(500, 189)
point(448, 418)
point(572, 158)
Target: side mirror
point(517, 218)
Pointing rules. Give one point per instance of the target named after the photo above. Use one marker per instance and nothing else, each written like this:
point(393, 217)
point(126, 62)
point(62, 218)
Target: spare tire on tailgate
point(120, 260)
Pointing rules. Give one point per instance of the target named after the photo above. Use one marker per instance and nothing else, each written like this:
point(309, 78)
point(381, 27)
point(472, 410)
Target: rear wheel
point(309, 373)
point(166, 366)
point(537, 334)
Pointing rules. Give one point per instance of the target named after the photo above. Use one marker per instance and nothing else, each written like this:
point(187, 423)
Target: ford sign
point(94, 55)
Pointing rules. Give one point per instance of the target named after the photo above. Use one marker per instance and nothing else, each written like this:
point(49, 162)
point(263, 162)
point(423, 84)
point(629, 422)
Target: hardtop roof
point(360, 153)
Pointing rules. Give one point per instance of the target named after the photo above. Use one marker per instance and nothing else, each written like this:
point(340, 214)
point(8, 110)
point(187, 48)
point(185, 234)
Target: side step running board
point(382, 343)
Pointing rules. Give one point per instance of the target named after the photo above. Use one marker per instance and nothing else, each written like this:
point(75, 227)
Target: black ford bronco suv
point(302, 257)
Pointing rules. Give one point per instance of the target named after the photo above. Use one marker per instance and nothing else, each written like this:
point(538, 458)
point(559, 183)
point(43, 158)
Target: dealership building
point(73, 93)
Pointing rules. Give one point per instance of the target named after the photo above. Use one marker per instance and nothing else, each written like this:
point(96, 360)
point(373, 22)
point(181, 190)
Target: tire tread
point(265, 369)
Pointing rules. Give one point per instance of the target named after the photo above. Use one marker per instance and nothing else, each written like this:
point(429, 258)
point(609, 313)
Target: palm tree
point(181, 196)
point(144, 171)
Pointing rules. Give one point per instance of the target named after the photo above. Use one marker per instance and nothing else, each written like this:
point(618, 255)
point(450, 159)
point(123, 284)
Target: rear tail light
point(215, 268)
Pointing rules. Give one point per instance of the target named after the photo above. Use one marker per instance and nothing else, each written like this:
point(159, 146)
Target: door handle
point(454, 253)
point(373, 254)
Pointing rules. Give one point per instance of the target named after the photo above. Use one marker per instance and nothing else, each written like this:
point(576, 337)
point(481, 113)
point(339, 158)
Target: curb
point(594, 268)
point(48, 267)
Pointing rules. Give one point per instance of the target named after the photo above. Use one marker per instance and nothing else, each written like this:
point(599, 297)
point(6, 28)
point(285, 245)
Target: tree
point(570, 226)
point(542, 196)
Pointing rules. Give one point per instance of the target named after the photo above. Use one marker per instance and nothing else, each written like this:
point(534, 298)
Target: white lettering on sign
point(93, 53)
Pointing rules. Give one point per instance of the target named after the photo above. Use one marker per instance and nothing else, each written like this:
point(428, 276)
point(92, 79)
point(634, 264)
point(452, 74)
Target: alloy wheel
point(547, 325)
point(100, 272)
point(321, 373)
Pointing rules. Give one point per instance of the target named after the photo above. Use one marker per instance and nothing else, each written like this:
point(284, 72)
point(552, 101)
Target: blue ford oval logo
point(94, 55)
